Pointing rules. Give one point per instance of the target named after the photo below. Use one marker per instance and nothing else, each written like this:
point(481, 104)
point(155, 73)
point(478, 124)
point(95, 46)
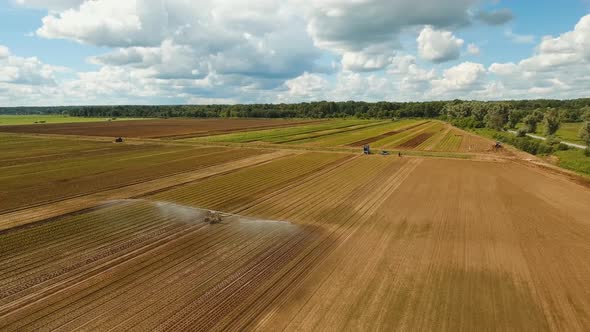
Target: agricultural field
point(351, 135)
point(51, 170)
point(283, 135)
point(289, 229)
point(172, 128)
point(568, 131)
point(6, 120)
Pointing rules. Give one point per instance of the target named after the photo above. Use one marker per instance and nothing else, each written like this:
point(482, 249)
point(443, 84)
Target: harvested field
point(155, 128)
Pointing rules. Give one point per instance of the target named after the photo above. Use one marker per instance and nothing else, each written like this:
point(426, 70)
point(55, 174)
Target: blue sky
point(72, 52)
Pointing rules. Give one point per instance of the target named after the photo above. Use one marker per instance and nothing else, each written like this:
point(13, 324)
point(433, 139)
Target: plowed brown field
point(154, 128)
point(309, 241)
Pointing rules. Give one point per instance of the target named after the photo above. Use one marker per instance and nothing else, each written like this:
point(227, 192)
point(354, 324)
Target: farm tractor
point(497, 146)
point(213, 217)
point(119, 140)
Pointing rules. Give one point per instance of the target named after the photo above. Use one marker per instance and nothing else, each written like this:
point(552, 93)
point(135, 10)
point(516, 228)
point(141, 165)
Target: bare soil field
point(155, 128)
point(476, 247)
point(119, 237)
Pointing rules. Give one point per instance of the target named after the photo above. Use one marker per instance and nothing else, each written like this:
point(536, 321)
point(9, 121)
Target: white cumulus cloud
point(305, 87)
point(473, 49)
point(467, 76)
point(438, 45)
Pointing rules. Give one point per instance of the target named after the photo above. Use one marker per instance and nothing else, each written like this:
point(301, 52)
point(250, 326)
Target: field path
point(573, 145)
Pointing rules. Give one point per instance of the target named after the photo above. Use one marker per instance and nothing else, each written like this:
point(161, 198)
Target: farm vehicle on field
point(497, 146)
point(213, 217)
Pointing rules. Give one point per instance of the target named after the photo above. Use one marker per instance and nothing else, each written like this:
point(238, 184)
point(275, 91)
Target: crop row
point(195, 263)
point(201, 315)
point(451, 142)
point(330, 134)
point(103, 173)
point(341, 214)
point(403, 137)
point(277, 135)
point(344, 138)
point(67, 237)
point(155, 128)
point(226, 191)
point(15, 146)
point(202, 274)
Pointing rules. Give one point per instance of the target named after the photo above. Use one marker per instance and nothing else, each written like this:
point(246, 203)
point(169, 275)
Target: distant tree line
point(463, 113)
point(381, 110)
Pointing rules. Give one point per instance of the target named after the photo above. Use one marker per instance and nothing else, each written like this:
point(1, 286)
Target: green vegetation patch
point(401, 138)
point(451, 142)
point(348, 137)
point(568, 131)
point(574, 160)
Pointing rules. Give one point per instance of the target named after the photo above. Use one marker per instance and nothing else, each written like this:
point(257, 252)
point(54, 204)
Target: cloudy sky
point(72, 52)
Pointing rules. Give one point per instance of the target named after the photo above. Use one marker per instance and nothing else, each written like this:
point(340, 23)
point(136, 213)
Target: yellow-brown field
point(314, 235)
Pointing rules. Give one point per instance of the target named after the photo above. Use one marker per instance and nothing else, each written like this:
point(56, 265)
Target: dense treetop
point(473, 113)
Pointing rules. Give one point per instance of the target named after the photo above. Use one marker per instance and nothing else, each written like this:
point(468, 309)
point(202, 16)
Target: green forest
point(456, 109)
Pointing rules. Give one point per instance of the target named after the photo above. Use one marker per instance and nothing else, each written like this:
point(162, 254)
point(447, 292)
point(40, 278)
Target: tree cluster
point(465, 113)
